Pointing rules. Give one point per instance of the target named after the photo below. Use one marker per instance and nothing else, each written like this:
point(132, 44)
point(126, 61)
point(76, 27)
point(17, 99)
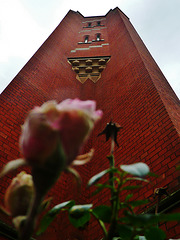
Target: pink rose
point(69, 123)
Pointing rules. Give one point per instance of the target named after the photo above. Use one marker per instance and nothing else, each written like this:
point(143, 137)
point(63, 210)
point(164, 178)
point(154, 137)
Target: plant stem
point(112, 146)
point(111, 176)
point(114, 194)
point(27, 230)
point(101, 223)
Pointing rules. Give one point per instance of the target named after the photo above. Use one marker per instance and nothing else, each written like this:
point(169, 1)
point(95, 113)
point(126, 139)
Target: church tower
point(104, 59)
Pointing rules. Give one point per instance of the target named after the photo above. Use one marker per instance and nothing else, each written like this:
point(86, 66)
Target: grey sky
point(25, 25)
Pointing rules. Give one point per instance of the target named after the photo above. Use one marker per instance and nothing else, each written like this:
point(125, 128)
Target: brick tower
point(104, 59)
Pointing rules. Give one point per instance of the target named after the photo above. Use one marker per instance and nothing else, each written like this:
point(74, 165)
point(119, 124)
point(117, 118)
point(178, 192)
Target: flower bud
point(19, 195)
point(68, 123)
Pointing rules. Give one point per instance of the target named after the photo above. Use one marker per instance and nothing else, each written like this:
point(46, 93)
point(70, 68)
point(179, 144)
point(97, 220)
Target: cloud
point(20, 35)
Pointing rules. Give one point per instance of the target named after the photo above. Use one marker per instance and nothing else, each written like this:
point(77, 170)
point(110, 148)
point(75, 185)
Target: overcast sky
point(25, 25)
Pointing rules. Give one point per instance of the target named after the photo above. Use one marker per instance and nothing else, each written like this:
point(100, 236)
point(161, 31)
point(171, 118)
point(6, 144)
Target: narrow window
point(99, 23)
point(89, 24)
point(86, 39)
point(98, 37)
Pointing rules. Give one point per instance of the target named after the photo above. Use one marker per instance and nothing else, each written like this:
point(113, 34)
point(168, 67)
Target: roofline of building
point(111, 10)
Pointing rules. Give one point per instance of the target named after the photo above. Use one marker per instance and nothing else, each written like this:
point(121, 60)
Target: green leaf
point(150, 219)
point(77, 211)
point(141, 220)
point(81, 221)
point(104, 186)
point(44, 204)
point(141, 238)
point(55, 210)
point(124, 231)
point(136, 179)
point(122, 205)
point(139, 169)
point(128, 197)
point(169, 217)
point(100, 187)
point(178, 167)
point(131, 187)
point(50, 216)
point(97, 177)
point(138, 203)
point(155, 233)
point(151, 174)
point(103, 212)
point(79, 215)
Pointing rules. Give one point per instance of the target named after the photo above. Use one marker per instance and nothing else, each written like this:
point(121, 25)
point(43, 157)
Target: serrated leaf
point(139, 169)
point(155, 233)
point(50, 216)
point(103, 212)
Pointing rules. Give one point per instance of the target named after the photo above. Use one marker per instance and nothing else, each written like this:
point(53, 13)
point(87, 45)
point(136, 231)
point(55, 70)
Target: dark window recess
point(99, 23)
point(86, 39)
point(98, 37)
point(89, 24)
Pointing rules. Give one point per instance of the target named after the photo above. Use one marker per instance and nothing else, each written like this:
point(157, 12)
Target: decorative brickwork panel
point(88, 68)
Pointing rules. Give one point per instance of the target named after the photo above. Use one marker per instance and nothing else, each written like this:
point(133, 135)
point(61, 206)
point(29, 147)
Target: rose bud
point(68, 123)
point(19, 195)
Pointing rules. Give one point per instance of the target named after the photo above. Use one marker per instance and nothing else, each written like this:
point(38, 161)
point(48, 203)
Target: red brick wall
point(132, 91)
